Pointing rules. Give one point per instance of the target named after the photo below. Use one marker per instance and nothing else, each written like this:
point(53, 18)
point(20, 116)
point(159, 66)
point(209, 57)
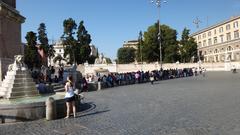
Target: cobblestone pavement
point(189, 106)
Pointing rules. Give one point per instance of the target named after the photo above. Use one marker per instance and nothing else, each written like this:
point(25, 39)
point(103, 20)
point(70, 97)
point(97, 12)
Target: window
point(228, 27)
point(220, 29)
point(215, 40)
point(199, 44)
point(228, 36)
point(204, 42)
point(209, 33)
point(209, 41)
point(235, 24)
point(199, 37)
point(236, 34)
point(221, 37)
point(215, 31)
point(229, 48)
point(204, 35)
point(59, 50)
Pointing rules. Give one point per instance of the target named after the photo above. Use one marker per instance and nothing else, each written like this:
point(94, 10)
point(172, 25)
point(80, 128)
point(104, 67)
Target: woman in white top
point(69, 97)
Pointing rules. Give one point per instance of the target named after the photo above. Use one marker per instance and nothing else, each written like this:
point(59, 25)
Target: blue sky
point(111, 22)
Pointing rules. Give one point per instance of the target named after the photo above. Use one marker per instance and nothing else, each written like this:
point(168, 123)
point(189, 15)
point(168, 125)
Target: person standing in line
point(203, 72)
point(151, 77)
point(69, 97)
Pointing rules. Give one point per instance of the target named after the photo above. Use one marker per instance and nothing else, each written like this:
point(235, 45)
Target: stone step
point(24, 84)
point(59, 90)
point(23, 94)
point(24, 89)
point(58, 86)
point(22, 72)
point(23, 80)
point(23, 76)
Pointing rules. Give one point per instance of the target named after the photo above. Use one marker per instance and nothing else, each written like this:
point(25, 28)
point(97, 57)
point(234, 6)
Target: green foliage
point(109, 61)
point(151, 52)
point(31, 56)
point(188, 47)
point(170, 44)
point(77, 50)
point(69, 26)
point(42, 37)
point(126, 55)
point(91, 59)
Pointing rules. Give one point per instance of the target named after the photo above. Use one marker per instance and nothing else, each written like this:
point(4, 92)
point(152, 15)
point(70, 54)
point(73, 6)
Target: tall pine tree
point(31, 56)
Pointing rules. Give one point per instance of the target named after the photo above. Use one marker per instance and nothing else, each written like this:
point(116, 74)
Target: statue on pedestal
point(100, 59)
point(18, 63)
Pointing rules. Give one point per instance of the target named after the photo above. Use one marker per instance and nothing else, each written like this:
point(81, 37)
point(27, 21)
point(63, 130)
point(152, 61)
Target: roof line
point(214, 26)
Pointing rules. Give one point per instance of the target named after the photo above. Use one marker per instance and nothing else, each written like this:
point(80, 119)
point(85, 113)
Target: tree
point(126, 55)
point(83, 43)
point(188, 47)
point(170, 44)
point(168, 40)
point(108, 60)
point(78, 49)
point(42, 37)
point(31, 56)
point(91, 59)
point(68, 39)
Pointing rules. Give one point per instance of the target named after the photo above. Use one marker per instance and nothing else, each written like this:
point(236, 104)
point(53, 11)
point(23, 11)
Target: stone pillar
point(99, 85)
point(50, 109)
point(10, 22)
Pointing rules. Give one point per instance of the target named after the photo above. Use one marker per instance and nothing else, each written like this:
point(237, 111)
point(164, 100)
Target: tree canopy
point(151, 47)
point(42, 37)
point(78, 49)
point(31, 56)
point(188, 47)
point(126, 55)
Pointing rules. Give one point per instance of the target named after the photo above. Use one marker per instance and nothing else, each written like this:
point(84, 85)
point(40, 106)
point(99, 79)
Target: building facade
point(59, 50)
point(220, 42)
point(131, 43)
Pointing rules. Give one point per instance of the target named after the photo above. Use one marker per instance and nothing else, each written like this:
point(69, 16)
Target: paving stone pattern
point(188, 106)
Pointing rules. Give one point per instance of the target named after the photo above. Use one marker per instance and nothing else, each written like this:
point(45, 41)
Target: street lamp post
point(158, 4)
point(140, 45)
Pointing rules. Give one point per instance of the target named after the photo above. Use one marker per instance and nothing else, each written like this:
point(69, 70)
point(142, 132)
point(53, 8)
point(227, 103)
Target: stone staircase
point(58, 87)
point(18, 84)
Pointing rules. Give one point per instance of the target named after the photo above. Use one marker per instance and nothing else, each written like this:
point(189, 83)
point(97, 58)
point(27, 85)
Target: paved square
point(188, 106)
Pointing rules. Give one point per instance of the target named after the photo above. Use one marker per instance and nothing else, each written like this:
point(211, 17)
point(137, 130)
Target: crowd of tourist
point(117, 79)
point(48, 75)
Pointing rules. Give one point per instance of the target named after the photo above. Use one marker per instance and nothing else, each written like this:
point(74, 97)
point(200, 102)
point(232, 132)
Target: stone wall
point(122, 68)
